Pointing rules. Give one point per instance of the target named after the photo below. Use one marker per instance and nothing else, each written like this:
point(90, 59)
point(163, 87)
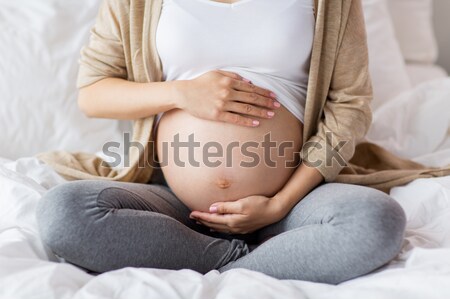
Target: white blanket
point(422, 270)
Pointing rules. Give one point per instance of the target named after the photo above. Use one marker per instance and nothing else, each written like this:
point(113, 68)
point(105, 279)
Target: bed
point(39, 45)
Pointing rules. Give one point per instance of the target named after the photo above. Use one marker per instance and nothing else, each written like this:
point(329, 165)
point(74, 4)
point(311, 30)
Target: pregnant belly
point(207, 161)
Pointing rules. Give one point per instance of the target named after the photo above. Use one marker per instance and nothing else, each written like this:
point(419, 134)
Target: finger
point(248, 109)
point(232, 75)
point(232, 207)
point(215, 226)
point(237, 119)
point(268, 95)
point(253, 98)
point(213, 218)
point(221, 228)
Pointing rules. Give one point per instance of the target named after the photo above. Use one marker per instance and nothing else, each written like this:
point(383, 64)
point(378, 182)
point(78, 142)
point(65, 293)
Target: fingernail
point(246, 80)
point(255, 122)
point(270, 113)
point(213, 209)
point(198, 222)
point(273, 95)
point(276, 104)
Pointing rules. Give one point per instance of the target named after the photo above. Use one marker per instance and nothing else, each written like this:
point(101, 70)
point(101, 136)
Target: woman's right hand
point(228, 97)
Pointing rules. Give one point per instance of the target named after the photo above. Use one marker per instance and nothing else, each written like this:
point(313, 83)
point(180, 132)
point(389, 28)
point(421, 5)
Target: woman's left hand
point(241, 216)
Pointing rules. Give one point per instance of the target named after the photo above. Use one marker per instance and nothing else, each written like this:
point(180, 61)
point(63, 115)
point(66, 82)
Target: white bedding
point(27, 270)
point(419, 72)
point(422, 270)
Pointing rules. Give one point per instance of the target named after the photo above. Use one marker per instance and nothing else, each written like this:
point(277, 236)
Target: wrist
point(281, 205)
point(179, 88)
point(278, 207)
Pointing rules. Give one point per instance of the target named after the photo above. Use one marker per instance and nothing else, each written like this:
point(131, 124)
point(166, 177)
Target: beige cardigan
point(122, 45)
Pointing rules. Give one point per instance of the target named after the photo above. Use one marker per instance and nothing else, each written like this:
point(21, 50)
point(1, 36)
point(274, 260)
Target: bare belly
point(207, 161)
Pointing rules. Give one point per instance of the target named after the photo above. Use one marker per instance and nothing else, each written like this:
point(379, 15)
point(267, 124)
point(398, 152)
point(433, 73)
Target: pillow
point(419, 72)
point(414, 29)
point(386, 62)
point(40, 43)
point(416, 123)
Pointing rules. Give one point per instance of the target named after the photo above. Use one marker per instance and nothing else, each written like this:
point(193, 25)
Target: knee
point(382, 223)
point(59, 214)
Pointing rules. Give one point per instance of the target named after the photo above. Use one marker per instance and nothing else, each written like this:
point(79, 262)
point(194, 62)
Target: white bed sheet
point(422, 270)
point(29, 270)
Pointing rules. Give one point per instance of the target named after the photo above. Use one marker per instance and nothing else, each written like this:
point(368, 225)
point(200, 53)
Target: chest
point(265, 35)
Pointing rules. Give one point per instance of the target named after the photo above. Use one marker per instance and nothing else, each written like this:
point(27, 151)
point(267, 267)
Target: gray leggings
point(336, 233)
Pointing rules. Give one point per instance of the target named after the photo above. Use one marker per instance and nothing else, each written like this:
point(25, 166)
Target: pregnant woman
point(230, 188)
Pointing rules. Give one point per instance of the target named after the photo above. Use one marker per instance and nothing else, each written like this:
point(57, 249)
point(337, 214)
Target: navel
point(223, 183)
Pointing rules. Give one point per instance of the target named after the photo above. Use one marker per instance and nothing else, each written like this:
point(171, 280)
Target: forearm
point(302, 181)
point(121, 99)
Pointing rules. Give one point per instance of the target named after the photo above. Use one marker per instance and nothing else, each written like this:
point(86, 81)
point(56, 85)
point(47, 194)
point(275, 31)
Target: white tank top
point(266, 41)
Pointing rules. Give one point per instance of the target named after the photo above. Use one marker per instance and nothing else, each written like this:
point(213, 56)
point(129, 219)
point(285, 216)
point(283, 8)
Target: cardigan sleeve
point(104, 55)
point(347, 115)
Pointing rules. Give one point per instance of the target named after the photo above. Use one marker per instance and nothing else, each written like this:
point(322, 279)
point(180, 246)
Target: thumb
point(231, 207)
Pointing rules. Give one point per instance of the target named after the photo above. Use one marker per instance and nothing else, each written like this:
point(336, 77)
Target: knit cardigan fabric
point(337, 111)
